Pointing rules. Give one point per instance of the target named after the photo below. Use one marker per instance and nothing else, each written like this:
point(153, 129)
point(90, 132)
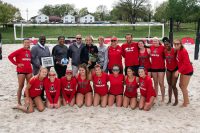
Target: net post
point(171, 33)
point(196, 51)
point(0, 46)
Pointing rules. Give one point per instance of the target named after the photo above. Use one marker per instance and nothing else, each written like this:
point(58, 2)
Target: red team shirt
point(146, 88)
point(83, 85)
point(68, 88)
point(131, 88)
point(157, 57)
point(22, 56)
point(114, 56)
point(144, 60)
point(52, 90)
point(116, 84)
point(100, 84)
point(131, 53)
point(183, 61)
point(36, 87)
point(170, 58)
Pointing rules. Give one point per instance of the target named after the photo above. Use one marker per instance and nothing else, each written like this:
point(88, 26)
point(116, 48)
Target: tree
point(160, 12)
point(101, 12)
point(130, 10)
point(58, 10)
point(83, 11)
point(8, 13)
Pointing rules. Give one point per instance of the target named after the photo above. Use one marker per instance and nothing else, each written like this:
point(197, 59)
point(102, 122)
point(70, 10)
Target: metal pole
point(171, 33)
point(0, 47)
point(196, 51)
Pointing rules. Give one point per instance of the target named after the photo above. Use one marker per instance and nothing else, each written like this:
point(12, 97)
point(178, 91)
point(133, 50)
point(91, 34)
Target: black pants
point(60, 70)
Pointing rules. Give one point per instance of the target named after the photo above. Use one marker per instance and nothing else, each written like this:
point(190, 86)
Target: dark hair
point(143, 43)
point(165, 39)
point(128, 34)
point(180, 43)
point(141, 67)
point(61, 37)
point(131, 68)
point(26, 39)
point(84, 66)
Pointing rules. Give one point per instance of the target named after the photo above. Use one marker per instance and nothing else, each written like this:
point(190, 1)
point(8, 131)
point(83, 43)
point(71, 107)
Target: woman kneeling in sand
point(33, 92)
point(52, 90)
point(147, 92)
point(68, 86)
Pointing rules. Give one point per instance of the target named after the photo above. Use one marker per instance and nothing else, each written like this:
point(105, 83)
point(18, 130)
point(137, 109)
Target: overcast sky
point(34, 5)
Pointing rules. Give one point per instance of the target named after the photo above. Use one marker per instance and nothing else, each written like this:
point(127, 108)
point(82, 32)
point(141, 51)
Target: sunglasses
point(78, 38)
point(113, 40)
point(115, 70)
point(177, 43)
point(52, 74)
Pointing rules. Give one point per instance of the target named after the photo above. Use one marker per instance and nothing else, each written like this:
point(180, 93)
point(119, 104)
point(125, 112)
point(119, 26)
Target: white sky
point(34, 5)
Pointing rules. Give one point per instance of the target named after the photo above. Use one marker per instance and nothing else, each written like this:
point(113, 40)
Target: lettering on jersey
point(129, 49)
point(82, 84)
point(52, 89)
point(40, 87)
point(169, 58)
point(130, 87)
point(155, 53)
point(142, 86)
point(68, 87)
point(99, 83)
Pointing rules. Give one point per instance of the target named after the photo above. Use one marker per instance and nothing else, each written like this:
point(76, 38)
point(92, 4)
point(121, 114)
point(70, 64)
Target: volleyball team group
point(97, 75)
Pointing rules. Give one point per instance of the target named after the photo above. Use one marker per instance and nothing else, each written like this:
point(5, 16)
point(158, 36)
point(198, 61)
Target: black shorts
point(173, 70)
point(23, 73)
point(189, 74)
point(158, 70)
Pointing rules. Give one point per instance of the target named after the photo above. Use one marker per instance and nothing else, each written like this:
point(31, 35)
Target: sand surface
point(161, 118)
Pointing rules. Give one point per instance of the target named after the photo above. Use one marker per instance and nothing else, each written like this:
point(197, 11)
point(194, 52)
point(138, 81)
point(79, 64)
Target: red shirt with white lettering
point(170, 57)
point(36, 87)
point(114, 56)
point(116, 84)
point(68, 88)
point(144, 59)
point(52, 90)
point(157, 57)
point(131, 53)
point(183, 60)
point(131, 88)
point(146, 88)
point(100, 84)
point(83, 85)
point(22, 56)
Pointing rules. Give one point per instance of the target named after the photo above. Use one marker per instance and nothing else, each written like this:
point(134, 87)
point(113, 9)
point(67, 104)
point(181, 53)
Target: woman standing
point(68, 86)
point(89, 53)
point(185, 69)
point(60, 54)
point(144, 57)
point(33, 92)
point(171, 64)
point(130, 94)
point(100, 80)
point(52, 89)
point(158, 66)
point(22, 59)
point(84, 90)
point(147, 91)
point(116, 87)
point(114, 55)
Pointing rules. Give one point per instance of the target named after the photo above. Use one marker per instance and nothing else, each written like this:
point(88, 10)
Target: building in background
point(68, 19)
point(42, 18)
point(87, 19)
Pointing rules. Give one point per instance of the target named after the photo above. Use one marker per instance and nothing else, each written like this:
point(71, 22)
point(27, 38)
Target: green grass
point(187, 30)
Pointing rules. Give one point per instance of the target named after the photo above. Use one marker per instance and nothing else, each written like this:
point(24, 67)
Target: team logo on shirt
point(41, 85)
point(155, 53)
point(52, 88)
point(68, 87)
point(27, 55)
point(142, 86)
point(99, 82)
point(130, 87)
point(129, 49)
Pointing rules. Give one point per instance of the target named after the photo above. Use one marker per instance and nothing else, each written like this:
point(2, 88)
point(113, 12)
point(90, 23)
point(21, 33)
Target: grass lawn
point(187, 30)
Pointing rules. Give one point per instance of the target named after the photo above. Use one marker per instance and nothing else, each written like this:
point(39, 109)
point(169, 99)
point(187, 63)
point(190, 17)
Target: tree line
point(130, 11)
